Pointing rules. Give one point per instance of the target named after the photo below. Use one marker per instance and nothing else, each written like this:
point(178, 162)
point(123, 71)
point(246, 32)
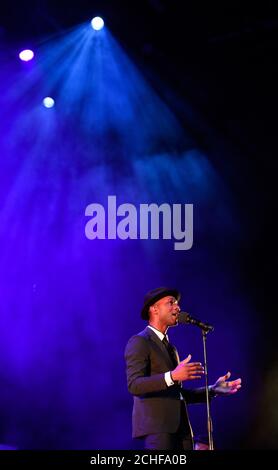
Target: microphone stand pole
point(209, 420)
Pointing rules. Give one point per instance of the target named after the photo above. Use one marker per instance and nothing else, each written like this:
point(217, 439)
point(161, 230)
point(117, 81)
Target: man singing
point(155, 376)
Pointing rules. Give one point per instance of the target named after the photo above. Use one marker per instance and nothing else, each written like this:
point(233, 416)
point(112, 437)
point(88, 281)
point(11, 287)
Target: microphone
point(185, 318)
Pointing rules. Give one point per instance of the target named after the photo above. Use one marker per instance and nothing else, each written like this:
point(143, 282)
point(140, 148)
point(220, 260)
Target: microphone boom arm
point(184, 317)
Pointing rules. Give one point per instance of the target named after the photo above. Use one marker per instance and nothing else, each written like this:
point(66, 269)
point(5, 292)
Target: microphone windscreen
point(183, 317)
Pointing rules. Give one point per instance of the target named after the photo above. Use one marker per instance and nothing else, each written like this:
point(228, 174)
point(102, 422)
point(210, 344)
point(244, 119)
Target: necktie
point(171, 351)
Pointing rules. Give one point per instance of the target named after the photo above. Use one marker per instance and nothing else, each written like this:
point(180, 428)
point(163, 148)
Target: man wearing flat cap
point(155, 376)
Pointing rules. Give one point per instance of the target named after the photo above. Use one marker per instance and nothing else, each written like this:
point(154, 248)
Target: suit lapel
point(155, 339)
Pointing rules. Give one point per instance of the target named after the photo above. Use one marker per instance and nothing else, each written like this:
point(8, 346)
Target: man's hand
point(187, 370)
point(223, 387)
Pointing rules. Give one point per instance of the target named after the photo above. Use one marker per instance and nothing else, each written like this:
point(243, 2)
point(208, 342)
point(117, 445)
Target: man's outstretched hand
point(223, 386)
point(187, 370)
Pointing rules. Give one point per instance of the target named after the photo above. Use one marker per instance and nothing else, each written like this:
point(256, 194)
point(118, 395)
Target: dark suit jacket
point(156, 406)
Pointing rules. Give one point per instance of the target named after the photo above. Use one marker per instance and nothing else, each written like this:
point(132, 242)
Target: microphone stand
point(185, 318)
point(209, 420)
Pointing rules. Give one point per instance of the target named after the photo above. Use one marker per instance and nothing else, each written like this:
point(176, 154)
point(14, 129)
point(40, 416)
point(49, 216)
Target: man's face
point(166, 310)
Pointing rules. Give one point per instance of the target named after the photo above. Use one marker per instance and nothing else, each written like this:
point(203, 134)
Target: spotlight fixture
point(48, 102)
point(26, 55)
point(97, 23)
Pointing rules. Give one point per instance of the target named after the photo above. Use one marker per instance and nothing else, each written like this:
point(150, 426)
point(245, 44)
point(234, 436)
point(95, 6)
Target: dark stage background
point(173, 102)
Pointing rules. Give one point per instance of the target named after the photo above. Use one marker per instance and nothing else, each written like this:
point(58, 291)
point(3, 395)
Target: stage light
point(48, 102)
point(26, 55)
point(97, 23)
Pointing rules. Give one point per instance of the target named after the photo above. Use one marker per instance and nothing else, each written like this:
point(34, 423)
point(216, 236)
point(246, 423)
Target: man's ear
point(153, 309)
